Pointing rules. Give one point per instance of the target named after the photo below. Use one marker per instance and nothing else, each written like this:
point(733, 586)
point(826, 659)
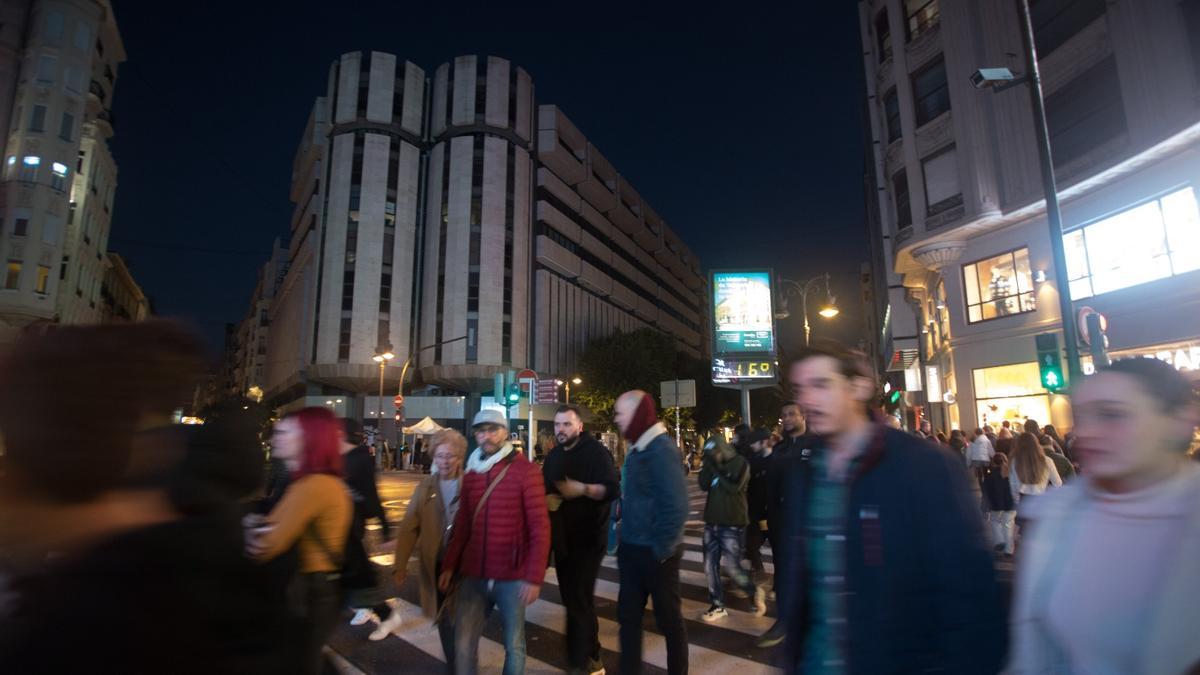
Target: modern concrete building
point(447, 217)
point(967, 247)
point(58, 64)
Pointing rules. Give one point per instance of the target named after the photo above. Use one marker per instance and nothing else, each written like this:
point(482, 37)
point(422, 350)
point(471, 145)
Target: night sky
point(742, 127)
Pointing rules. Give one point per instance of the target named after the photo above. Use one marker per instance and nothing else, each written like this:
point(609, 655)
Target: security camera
point(991, 77)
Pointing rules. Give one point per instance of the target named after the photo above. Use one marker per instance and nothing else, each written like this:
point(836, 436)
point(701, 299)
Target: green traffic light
point(895, 397)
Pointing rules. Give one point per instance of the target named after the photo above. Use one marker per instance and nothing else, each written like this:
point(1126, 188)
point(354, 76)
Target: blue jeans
point(727, 540)
point(473, 605)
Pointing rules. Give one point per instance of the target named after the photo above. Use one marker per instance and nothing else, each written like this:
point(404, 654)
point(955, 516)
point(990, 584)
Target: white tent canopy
point(424, 427)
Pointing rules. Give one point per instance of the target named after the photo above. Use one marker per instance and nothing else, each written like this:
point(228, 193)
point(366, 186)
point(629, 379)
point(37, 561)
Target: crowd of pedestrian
point(180, 545)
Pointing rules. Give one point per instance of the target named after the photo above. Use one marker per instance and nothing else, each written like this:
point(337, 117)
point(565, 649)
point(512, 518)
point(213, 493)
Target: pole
point(379, 451)
point(678, 416)
point(745, 405)
point(568, 392)
point(804, 307)
point(1053, 215)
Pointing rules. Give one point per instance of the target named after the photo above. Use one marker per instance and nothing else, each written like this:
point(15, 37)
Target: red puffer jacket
point(511, 537)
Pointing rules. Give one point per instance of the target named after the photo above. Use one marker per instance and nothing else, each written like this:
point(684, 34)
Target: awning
point(904, 354)
point(424, 427)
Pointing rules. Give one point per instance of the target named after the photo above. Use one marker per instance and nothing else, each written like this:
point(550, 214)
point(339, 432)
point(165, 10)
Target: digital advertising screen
point(743, 313)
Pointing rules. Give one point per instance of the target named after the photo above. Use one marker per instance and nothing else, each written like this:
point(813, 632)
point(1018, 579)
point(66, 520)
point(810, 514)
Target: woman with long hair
point(426, 529)
point(958, 443)
point(1032, 471)
point(1107, 581)
point(314, 516)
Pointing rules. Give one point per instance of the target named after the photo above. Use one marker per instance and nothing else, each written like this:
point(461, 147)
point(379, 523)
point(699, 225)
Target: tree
point(621, 362)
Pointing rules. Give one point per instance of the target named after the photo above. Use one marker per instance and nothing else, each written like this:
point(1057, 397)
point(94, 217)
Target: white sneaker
point(760, 600)
point(361, 616)
point(386, 627)
point(714, 613)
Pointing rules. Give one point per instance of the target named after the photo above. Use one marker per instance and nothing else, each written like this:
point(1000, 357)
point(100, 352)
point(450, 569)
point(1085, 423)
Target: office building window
point(931, 92)
point(941, 181)
point(1155, 240)
point(921, 16)
point(12, 280)
point(47, 65)
point(58, 176)
point(883, 37)
point(999, 286)
point(1056, 21)
point(29, 167)
point(66, 130)
point(1086, 113)
point(900, 194)
point(37, 118)
point(43, 279)
point(891, 110)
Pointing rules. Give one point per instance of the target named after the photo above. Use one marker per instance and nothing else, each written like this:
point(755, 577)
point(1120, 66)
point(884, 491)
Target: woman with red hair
point(314, 515)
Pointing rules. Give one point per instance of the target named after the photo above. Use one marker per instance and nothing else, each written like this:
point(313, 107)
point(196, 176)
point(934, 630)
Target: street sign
point(398, 401)
point(524, 377)
point(678, 393)
point(547, 391)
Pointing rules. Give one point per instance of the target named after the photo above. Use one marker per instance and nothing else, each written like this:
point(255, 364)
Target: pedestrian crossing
point(723, 646)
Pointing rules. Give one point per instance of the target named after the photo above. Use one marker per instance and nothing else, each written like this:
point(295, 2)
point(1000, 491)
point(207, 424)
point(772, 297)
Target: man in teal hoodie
point(654, 508)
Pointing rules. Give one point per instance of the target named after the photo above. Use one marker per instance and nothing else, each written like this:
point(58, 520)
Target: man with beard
point(783, 464)
point(581, 483)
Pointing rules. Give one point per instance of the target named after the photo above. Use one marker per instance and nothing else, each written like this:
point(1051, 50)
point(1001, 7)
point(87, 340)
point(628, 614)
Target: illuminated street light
point(793, 288)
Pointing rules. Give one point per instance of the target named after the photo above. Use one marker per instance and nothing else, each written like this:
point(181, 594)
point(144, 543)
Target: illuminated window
point(43, 278)
point(12, 280)
point(1012, 393)
point(999, 286)
point(58, 176)
point(1155, 240)
point(29, 167)
point(922, 16)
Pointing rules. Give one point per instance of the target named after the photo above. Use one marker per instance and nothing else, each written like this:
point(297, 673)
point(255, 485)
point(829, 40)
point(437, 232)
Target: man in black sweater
point(581, 483)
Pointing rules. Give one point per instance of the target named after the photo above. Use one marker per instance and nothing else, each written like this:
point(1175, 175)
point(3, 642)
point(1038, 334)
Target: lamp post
point(998, 80)
point(574, 380)
point(382, 355)
point(404, 371)
point(794, 288)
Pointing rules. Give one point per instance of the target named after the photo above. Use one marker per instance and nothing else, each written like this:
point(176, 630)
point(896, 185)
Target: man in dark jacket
point(783, 456)
point(724, 477)
point(363, 592)
point(581, 483)
point(884, 542)
point(756, 498)
point(654, 508)
point(499, 544)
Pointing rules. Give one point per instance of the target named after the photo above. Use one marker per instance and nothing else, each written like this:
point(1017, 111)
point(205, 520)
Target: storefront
point(1012, 392)
point(1185, 356)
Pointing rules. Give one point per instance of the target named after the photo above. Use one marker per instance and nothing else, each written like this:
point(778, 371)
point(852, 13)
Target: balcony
point(96, 89)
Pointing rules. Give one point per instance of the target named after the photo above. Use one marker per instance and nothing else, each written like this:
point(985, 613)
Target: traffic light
point(514, 394)
point(1050, 362)
point(894, 397)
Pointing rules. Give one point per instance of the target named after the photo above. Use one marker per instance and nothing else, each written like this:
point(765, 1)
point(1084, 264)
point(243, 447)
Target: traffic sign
point(524, 376)
point(398, 401)
point(678, 393)
point(547, 391)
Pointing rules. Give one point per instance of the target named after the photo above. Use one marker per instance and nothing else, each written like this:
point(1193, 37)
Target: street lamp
point(574, 380)
point(828, 310)
point(999, 79)
point(382, 356)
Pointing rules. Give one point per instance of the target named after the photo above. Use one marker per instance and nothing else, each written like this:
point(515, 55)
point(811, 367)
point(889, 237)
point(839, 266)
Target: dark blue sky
point(741, 127)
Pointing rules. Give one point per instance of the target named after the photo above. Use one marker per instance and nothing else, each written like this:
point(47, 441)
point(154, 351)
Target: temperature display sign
point(741, 370)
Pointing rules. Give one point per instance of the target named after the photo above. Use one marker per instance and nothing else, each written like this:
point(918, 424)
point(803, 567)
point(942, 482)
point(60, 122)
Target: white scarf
point(649, 435)
point(480, 463)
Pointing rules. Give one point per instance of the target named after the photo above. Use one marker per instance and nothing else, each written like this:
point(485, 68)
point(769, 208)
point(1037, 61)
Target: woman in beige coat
point(426, 528)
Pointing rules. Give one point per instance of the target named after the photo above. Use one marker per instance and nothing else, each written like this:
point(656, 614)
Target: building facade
point(967, 248)
point(58, 63)
point(448, 218)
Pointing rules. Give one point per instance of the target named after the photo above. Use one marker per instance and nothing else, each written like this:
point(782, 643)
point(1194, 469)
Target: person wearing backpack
point(499, 546)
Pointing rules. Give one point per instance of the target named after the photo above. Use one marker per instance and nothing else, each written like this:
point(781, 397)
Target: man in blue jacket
point(887, 564)
point(654, 508)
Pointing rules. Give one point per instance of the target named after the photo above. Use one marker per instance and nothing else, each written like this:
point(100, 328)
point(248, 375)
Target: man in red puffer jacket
point(499, 544)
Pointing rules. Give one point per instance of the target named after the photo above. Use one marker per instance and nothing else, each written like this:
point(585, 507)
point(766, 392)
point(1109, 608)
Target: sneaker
point(596, 667)
point(361, 616)
point(386, 627)
point(714, 613)
point(772, 637)
point(760, 600)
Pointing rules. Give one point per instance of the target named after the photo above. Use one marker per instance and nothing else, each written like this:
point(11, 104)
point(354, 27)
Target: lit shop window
point(1012, 393)
point(1155, 240)
point(999, 286)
